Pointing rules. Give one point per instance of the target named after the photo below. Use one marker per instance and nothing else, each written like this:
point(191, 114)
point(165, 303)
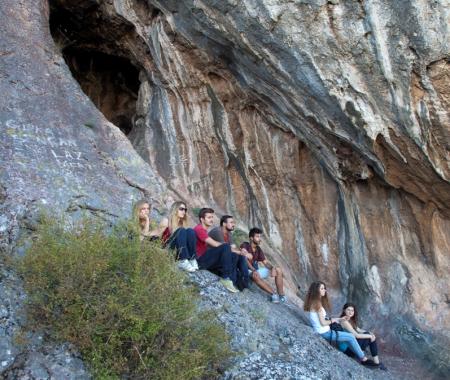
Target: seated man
point(222, 234)
point(260, 268)
point(218, 257)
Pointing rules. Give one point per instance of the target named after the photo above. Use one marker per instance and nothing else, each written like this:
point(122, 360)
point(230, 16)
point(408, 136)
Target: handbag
point(336, 327)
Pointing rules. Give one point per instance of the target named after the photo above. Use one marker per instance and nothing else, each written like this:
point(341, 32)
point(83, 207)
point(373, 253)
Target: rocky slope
point(324, 122)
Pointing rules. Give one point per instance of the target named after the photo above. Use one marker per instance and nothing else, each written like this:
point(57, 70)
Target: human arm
point(212, 243)
point(242, 252)
point(157, 231)
point(356, 332)
point(146, 230)
point(250, 264)
point(327, 322)
point(268, 265)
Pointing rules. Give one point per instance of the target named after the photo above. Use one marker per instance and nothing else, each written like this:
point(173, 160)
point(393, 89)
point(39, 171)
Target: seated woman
point(141, 215)
point(177, 236)
point(364, 338)
point(316, 304)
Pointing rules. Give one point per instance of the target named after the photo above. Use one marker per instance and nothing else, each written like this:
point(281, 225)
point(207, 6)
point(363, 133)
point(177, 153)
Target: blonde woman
point(178, 236)
point(141, 215)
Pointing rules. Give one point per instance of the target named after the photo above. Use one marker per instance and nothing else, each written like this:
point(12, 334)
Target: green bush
point(196, 211)
point(239, 236)
point(123, 303)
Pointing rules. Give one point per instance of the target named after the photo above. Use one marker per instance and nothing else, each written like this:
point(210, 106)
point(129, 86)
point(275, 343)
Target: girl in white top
point(316, 304)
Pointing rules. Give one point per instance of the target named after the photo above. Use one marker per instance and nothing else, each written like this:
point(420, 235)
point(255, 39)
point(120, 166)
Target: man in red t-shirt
point(218, 256)
point(261, 268)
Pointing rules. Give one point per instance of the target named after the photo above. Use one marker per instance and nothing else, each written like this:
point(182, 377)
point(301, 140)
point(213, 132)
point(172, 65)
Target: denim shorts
point(263, 272)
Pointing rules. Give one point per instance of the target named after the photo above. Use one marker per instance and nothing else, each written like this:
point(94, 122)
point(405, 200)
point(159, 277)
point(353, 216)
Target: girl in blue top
point(316, 305)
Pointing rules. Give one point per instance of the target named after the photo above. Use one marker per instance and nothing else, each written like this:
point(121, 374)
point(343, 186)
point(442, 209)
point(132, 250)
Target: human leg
point(279, 281)
point(363, 343)
point(242, 273)
point(234, 264)
point(348, 338)
point(191, 241)
point(209, 260)
point(217, 259)
point(257, 279)
point(374, 351)
point(178, 241)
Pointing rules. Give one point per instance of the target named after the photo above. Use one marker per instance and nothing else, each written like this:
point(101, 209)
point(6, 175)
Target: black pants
point(218, 260)
point(363, 343)
point(183, 240)
point(240, 275)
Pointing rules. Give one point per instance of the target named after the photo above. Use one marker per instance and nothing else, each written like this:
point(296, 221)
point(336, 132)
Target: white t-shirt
point(315, 321)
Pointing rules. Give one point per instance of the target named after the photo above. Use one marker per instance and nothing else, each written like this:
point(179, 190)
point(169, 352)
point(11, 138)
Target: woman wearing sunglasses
point(179, 237)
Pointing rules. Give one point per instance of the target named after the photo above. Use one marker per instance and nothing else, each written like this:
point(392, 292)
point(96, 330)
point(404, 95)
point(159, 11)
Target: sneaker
point(274, 298)
point(186, 266)
point(382, 367)
point(194, 264)
point(228, 285)
point(369, 363)
point(283, 298)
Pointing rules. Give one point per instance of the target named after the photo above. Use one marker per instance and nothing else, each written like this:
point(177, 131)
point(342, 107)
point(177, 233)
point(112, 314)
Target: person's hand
point(372, 337)
point(255, 275)
point(143, 214)
point(245, 253)
point(345, 318)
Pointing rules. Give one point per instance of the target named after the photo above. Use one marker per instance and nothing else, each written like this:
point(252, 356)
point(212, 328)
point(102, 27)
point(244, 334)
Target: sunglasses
point(182, 208)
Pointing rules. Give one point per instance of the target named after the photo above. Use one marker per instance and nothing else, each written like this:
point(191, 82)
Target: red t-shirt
point(202, 235)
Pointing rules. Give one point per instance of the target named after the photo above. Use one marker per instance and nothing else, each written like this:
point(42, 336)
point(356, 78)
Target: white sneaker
point(194, 264)
point(186, 266)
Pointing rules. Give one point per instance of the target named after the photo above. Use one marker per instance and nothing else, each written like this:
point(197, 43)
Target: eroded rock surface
point(324, 122)
point(273, 341)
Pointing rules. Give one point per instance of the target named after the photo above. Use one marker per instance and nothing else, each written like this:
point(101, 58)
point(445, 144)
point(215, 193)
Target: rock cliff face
point(324, 122)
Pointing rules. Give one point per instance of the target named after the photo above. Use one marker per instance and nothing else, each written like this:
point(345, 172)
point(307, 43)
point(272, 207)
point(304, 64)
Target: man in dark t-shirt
point(223, 234)
point(213, 255)
point(261, 269)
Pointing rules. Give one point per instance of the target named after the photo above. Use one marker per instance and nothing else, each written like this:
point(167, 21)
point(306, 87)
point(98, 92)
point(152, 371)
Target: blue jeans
point(218, 260)
point(184, 241)
point(345, 337)
point(364, 343)
point(240, 276)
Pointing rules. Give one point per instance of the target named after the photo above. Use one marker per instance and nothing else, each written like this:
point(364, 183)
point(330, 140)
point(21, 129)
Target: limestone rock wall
point(306, 118)
point(324, 122)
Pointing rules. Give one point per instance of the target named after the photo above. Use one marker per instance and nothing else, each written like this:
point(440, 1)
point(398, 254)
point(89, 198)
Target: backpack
point(336, 327)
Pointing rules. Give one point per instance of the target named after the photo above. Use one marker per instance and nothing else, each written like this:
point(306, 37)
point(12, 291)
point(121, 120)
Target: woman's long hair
point(353, 320)
point(313, 300)
point(136, 210)
point(174, 221)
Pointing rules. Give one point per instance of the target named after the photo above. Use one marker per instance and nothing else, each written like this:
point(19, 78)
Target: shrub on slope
point(121, 302)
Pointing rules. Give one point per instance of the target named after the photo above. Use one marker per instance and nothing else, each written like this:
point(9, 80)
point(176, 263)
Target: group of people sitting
point(213, 249)
point(349, 337)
